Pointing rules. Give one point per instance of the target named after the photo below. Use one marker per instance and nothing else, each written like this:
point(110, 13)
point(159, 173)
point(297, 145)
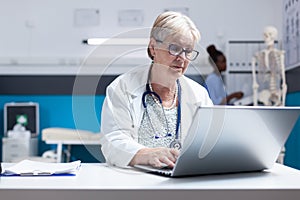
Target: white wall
point(45, 30)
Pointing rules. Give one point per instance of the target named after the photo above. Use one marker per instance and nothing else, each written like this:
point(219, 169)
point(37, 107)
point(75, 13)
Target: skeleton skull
point(270, 35)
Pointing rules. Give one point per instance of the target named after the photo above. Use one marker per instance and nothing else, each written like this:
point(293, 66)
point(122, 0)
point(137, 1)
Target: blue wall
point(81, 112)
point(292, 157)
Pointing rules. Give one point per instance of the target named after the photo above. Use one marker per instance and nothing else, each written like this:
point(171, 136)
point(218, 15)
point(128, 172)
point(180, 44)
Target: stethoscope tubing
point(148, 92)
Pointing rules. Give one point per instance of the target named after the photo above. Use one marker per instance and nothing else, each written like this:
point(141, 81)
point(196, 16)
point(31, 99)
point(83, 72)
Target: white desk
point(97, 181)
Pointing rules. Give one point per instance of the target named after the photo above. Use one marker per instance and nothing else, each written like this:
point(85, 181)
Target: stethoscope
point(176, 143)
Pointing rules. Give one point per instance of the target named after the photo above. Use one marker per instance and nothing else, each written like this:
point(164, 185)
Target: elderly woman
point(147, 112)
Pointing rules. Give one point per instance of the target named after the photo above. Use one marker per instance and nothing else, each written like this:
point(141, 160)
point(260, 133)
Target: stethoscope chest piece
point(175, 144)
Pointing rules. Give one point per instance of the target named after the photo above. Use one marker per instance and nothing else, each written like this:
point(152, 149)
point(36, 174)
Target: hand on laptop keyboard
point(156, 157)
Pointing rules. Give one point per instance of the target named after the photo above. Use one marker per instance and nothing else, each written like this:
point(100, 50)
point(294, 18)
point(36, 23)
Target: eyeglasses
point(176, 50)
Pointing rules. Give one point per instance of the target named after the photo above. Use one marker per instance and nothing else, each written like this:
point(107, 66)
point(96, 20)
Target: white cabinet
point(14, 149)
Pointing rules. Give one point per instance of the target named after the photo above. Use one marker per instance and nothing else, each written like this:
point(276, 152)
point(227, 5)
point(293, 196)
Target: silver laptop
point(232, 139)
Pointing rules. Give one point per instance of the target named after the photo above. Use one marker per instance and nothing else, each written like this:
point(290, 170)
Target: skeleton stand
point(269, 83)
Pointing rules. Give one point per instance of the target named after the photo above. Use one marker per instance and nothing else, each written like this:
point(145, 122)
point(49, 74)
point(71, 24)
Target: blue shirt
point(216, 88)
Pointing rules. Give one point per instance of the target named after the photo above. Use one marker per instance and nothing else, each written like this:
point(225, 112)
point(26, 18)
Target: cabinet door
point(15, 148)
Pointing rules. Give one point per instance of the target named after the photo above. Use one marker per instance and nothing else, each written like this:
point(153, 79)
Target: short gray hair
point(172, 23)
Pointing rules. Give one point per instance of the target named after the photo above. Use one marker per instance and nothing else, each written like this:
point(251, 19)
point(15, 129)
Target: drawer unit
point(18, 148)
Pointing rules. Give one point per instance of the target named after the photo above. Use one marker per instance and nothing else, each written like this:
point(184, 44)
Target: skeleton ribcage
point(269, 70)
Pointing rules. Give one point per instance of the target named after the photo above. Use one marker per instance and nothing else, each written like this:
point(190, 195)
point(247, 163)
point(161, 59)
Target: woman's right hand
point(156, 157)
point(238, 95)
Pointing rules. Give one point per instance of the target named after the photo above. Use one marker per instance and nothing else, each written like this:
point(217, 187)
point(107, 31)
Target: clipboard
point(35, 168)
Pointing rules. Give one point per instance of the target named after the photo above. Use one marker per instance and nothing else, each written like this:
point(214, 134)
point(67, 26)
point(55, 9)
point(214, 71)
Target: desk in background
point(98, 181)
point(59, 146)
point(65, 136)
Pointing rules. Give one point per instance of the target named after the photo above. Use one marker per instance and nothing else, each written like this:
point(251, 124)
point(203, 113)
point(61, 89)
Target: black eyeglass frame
point(182, 50)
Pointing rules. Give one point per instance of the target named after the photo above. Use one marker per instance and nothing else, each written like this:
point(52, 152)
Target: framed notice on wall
point(291, 30)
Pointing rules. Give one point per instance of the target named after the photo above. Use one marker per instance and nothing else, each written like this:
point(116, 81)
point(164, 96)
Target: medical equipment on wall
point(21, 127)
point(176, 143)
point(24, 114)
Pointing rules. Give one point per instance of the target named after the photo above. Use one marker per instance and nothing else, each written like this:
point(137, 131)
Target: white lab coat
point(122, 113)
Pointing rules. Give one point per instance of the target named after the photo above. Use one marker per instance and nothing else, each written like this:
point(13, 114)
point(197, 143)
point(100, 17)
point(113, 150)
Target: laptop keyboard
point(165, 171)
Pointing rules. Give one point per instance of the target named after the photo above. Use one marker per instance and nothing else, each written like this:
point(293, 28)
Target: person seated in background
point(214, 82)
point(147, 112)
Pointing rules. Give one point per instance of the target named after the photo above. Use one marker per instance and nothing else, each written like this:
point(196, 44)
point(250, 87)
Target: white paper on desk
point(28, 167)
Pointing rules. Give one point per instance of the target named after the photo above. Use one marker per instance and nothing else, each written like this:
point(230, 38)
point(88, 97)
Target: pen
point(36, 174)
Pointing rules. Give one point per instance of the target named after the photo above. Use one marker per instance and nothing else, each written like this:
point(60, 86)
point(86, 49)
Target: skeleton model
point(269, 84)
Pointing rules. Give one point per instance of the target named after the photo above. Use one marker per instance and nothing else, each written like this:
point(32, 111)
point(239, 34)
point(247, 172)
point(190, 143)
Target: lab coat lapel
point(135, 91)
point(189, 104)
